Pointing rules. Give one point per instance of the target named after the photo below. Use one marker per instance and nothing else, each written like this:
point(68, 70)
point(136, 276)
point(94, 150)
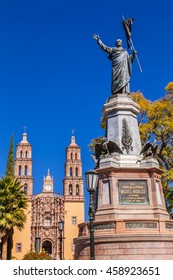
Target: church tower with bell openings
point(73, 196)
point(23, 172)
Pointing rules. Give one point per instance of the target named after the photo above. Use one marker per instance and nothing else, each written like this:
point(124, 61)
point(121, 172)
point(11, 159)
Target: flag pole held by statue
point(127, 24)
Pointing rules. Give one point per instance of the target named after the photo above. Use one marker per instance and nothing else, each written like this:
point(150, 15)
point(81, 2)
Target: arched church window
point(76, 171)
point(20, 170)
point(26, 170)
point(20, 154)
point(70, 189)
point(26, 154)
point(77, 189)
point(71, 171)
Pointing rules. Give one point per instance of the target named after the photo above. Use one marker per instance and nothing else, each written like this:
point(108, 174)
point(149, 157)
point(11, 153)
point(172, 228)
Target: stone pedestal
point(120, 107)
point(131, 220)
point(129, 246)
point(130, 193)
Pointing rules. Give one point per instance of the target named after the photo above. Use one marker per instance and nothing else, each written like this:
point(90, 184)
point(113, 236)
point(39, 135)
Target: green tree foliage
point(156, 123)
point(13, 202)
point(37, 256)
point(10, 161)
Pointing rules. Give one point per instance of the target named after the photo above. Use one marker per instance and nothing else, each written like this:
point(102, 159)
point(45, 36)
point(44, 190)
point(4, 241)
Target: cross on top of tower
point(24, 128)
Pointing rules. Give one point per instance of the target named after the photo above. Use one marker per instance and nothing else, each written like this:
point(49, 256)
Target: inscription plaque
point(169, 226)
point(141, 225)
point(133, 192)
point(104, 226)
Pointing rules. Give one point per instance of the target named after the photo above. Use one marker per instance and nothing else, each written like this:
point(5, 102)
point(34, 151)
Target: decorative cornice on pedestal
point(121, 102)
point(121, 161)
point(149, 162)
point(129, 161)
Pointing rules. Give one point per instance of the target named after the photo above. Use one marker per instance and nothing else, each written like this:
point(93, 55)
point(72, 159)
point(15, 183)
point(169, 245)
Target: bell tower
point(23, 172)
point(23, 165)
point(73, 196)
point(73, 181)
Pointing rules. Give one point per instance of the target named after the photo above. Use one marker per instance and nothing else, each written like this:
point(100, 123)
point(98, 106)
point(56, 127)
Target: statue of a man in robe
point(121, 65)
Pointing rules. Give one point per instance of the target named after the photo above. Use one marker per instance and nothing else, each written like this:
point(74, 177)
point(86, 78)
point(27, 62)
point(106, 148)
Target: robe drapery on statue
point(121, 67)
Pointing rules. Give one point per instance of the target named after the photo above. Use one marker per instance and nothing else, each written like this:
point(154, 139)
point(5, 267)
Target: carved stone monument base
point(131, 220)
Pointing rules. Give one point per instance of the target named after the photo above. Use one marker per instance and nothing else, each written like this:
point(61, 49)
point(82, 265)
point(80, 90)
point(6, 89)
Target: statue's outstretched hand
point(96, 37)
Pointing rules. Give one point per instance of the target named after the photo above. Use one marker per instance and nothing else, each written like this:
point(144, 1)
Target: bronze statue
point(105, 149)
point(149, 149)
point(121, 65)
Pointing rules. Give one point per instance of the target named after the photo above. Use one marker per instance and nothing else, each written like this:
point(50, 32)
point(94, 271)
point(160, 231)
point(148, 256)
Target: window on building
point(26, 188)
point(76, 171)
point(18, 247)
point(71, 156)
point(26, 170)
point(71, 171)
point(20, 154)
point(74, 220)
point(47, 222)
point(77, 189)
point(75, 155)
point(70, 189)
point(20, 170)
point(26, 154)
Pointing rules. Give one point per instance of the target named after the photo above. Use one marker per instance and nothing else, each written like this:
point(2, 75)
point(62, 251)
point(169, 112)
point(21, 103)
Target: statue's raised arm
point(100, 43)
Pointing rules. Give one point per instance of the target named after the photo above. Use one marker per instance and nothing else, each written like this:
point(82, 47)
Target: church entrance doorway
point(47, 246)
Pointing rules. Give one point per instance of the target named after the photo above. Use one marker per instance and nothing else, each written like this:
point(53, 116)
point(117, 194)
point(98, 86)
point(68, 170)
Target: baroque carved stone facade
point(45, 215)
point(47, 211)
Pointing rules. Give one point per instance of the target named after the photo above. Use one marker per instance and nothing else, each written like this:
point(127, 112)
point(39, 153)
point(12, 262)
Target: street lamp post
point(91, 182)
point(61, 228)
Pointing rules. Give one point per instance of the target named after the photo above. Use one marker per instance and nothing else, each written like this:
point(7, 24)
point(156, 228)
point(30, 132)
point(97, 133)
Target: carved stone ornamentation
point(149, 149)
point(105, 149)
point(126, 137)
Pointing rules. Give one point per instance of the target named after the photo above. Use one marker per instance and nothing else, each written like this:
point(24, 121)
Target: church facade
point(47, 208)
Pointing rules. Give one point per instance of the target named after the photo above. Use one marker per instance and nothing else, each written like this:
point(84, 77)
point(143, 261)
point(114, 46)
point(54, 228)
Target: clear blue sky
point(54, 77)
